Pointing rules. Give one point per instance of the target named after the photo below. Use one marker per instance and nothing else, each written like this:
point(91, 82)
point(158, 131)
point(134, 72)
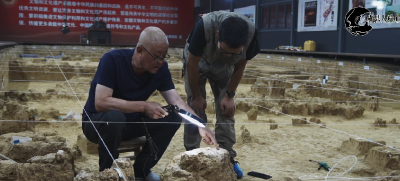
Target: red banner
point(39, 21)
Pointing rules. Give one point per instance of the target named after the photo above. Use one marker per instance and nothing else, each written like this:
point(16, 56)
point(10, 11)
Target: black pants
point(113, 133)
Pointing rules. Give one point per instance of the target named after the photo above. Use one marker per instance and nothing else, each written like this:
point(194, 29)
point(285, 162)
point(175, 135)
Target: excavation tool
point(322, 164)
point(259, 175)
point(170, 108)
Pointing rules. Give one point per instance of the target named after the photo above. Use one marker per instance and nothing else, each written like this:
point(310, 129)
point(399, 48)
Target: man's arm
point(237, 75)
point(228, 104)
point(192, 65)
point(172, 97)
point(105, 102)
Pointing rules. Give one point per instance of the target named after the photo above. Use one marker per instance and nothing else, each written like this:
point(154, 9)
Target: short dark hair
point(233, 31)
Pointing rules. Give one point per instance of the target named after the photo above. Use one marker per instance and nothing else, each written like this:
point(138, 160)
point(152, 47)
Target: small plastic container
point(309, 45)
point(20, 140)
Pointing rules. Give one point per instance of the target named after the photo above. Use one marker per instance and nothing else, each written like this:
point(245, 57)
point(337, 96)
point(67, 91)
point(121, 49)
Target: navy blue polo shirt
point(115, 71)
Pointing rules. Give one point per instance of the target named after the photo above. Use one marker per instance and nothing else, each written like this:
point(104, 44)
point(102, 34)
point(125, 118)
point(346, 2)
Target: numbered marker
point(34, 47)
point(74, 48)
point(268, 56)
point(94, 48)
point(396, 77)
point(54, 47)
point(318, 61)
point(366, 67)
point(341, 63)
point(283, 58)
point(299, 59)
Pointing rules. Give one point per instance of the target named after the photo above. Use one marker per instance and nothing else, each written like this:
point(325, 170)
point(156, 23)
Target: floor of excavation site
point(279, 89)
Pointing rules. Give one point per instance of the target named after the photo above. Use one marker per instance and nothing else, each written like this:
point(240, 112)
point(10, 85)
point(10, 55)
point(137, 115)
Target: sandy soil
point(282, 152)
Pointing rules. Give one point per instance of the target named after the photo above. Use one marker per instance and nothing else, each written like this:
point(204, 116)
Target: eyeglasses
point(225, 52)
point(159, 59)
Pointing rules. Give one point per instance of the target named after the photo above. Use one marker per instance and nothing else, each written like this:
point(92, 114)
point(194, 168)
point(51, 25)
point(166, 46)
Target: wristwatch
point(231, 94)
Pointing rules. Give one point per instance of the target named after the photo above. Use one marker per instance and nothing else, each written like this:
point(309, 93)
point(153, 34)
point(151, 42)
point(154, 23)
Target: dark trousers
point(113, 133)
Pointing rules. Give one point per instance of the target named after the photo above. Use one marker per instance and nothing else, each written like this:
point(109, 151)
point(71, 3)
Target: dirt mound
point(244, 106)
point(305, 109)
point(200, 164)
point(295, 108)
point(313, 88)
point(57, 165)
point(252, 114)
point(315, 120)
point(39, 146)
point(360, 97)
point(350, 81)
point(380, 123)
point(272, 87)
point(273, 124)
point(50, 114)
point(15, 111)
point(299, 122)
point(383, 158)
point(358, 146)
point(245, 136)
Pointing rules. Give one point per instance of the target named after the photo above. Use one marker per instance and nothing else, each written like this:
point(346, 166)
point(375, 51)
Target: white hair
point(152, 35)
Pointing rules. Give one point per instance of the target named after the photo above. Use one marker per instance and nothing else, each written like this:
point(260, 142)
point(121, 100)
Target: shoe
point(150, 177)
point(236, 168)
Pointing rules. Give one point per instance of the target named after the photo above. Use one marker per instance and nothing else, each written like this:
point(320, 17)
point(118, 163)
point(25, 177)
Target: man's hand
point(228, 107)
point(208, 136)
point(154, 110)
point(198, 104)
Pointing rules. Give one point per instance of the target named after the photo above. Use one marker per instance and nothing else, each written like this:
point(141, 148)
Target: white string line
point(359, 70)
point(288, 80)
point(340, 91)
point(72, 67)
point(123, 175)
point(59, 72)
point(339, 78)
point(294, 100)
point(336, 130)
point(348, 88)
point(78, 49)
point(325, 67)
point(333, 63)
point(345, 178)
point(83, 49)
point(242, 78)
point(343, 132)
point(50, 72)
point(71, 87)
point(153, 122)
point(323, 88)
point(251, 86)
point(334, 77)
point(244, 98)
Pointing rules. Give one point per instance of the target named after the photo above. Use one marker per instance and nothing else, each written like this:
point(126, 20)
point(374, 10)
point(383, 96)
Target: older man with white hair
point(124, 80)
